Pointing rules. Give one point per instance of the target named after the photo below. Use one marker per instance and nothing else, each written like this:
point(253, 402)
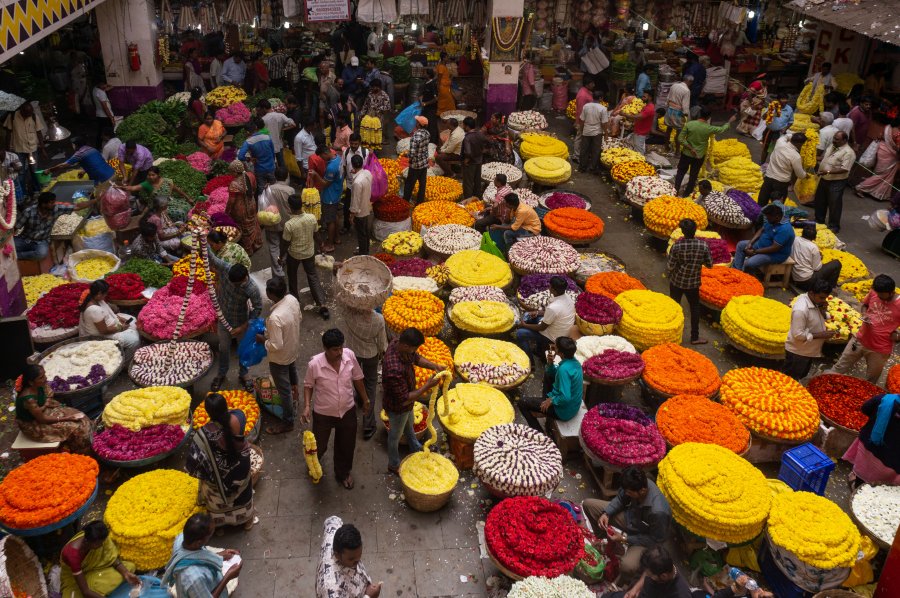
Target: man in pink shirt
point(331, 378)
point(875, 340)
point(583, 97)
point(526, 81)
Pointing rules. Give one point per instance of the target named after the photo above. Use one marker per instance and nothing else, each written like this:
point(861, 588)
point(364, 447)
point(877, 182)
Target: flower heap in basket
point(662, 214)
point(526, 195)
point(66, 225)
point(160, 316)
point(574, 224)
point(36, 286)
point(719, 285)
point(641, 189)
point(748, 205)
point(240, 400)
point(529, 535)
point(535, 587)
point(435, 351)
point(492, 169)
point(673, 370)
point(741, 173)
point(467, 410)
point(590, 345)
point(124, 286)
point(562, 199)
point(404, 243)
point(694, 418)
point(876, 508)
point(596, 314)
point(649, 318)
point(623, 172)
point(770, 403)
point(543, 254)
point(622, 436)
point(494, 362)
point(152, 274)
point(613, 365)
point(472, 267)
point(414, 283)
point(416, 266)
point(79, 365)
point(476, 293)
point(527, 119)
point(633, 107)
point(483, 317)
point(611, 284)
point(722, 209)
point(447, 239)
point(46, 490)
point(58, 308)
point(840, 398)
point(441, 188)
point(825, 239)
point(612, 156)
point(414, 309)
point(143, 423)
point(535, 145)
point(757, 323)
point(147, 512)
point(726, 149)
point(393, 171)
point(842, 319)
point(548, 170)
point(95, 267)
point(516, 460)
point(439, 273)
point(225, 95)
point(851, 266)
point(432, 213)
point(714, 493)
point(534, 290)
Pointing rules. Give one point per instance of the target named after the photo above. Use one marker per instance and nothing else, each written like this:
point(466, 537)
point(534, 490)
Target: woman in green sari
point(155, 186)
point(90, 563)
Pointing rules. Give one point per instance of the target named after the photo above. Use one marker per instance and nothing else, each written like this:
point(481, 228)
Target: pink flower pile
point(200, 161)
point(613, 365)
point(158, 317)
point(621, 435)
point(718, 248)
point(121, 444)
point(215, 203)
point(597, 309)
point(236, 114)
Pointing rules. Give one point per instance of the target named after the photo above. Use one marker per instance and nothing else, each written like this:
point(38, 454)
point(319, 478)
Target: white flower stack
point(447, 239)
point(515, 460)
point(170, 364)
point(476, 293)
point(77, 359)
point(545, 255)
point(527, 119)
point(724, 211)
point(642, 189)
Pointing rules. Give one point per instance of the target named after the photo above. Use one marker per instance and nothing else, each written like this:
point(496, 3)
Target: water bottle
point(751, 584)
point(125, 252)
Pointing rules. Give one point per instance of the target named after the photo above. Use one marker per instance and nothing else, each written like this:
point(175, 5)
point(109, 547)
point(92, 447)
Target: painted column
point(503, 79)
point(123, 22)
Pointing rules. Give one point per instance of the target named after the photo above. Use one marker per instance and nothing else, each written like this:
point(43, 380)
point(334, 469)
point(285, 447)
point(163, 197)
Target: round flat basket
point(257, 460)
point(711, 307)
point(182, 384)
point(575, 242)
point(87, 390)
point(137, 463)
point(589, 328)
point(424, 503)
point(512, 172)
point(45, 336)
point(52, 527)
point(752, 353)
point(834, 424)
point(878, 541)
point(500, 567)
point(363, 282)
point(20, 569)
point(613, 381)
point(129, 302)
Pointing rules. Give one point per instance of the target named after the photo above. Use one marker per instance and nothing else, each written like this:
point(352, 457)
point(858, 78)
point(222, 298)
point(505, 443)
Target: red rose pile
point(391, 208)
point(223, 180)
point(178, 286)
point(840, 398)
point(124, 287)
point(529, 535)
point(59, 307)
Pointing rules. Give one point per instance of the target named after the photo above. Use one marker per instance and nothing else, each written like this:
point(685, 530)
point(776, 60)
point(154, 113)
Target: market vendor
point(525, 222)
point(36, 224)
point(807, 333)
point(195, 570)
point(875, 454)
point(499, 146)
point(139, 158)
point(771, 244)
point(784, 167)
point(98, 319)
point(659, 578)
point(90, 161)
point(642, 515)
point(43, 419)
point(157, 187)
point(808, 267)
point(541, 328)
point(147, 246)
point(497, 211)
point(564, 398)
point(211, 135)
point(90, 566)
point(229, 251)
point(450, 150)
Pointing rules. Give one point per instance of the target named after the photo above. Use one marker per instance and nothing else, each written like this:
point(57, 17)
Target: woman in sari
point(42, 419)
point(90, 566)
point(220, 458)
point(242, 206)
point(875, 454)
point(499, 144)
point(210, 136)
point(168, 232)
point(445, 100)
point(753, 102)
point(157, 187)
point(880, 184)
point(196, 108)
point(98, 319)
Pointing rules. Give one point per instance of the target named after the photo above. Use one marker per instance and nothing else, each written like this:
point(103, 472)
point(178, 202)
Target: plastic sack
point(268, 214)
point(488, 246)
point(379, 176)
point(249, 351)
point(407, 117)
point(116, 208)
point(868, 157)
point(861, 573)
point(381, 229)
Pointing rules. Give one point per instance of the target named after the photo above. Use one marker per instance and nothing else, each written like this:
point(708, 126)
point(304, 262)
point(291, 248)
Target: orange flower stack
point(46, 489)
point(770, 403)
point(436, 351)
point(623, 172)
point(432, 213)
point(719, 285)
point(574, 224)
point(235, 399)
point(414, 309)
point(893, 379)
point(674, 370)
point(610, 284)
point(693, 418)
point(441, 188)
point(663, 214)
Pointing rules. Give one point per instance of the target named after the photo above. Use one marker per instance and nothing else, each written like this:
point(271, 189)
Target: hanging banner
point(325, 11)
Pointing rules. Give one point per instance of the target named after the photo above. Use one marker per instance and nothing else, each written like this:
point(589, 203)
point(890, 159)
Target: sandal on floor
point(348, 482)
point(216, 383)
point(247, 384)
point(323, 311)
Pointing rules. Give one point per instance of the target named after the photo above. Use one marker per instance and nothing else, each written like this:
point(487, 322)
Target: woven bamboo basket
point(575, 242)
point(501, 568)
point(613, 382)
point(424, 503)
point(589, 328)
point(20, 569)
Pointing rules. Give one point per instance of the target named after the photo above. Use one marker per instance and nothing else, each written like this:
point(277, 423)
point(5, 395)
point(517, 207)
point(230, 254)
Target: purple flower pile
point(535, 283)
point(749, 207)
point(597, 309)
point(222, 219)
point(622, 411)
point(95, 376)
point(561, 199)
point(412, 267)
point(613, 365)
point(118, 443)
point(622, 435)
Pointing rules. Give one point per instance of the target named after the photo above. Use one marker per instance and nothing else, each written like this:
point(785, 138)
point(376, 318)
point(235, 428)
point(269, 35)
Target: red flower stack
point(840, 398)
point(124, 287)
point(59, 307)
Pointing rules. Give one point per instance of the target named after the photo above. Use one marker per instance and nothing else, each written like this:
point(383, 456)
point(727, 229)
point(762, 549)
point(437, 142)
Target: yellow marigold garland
point(473, 408)
point(144, 407)
point(741, 173)
point(482, 317)
point(808, 149)
point(726, 149)
point(851, 266)
point(548, 170)
point(623, 172)
point(432, 213)
point(662, 214)
point(649, 318)
point(535, 145)
point(811, 101)
point(814, 529)
point(757, 323)
point(473, 267)
point(612, 156)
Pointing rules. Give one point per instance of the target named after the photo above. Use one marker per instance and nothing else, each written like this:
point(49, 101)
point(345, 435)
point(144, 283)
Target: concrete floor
point(437, 554)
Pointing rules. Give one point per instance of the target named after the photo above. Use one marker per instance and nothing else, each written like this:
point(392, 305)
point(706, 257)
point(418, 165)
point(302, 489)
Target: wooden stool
point(565, 433)
point(606, 479)
point(772, 272)
point(29, 449)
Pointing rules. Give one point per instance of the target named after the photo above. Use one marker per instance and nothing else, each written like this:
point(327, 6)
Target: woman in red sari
point(242, 206)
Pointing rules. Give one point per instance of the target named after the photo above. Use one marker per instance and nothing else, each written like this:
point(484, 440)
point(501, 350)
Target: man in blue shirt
point(261, 149)
point(89, 160)
point(643, 83)
point(234, 70)
point(562, 387)
point(331, 199)
point(770, 245)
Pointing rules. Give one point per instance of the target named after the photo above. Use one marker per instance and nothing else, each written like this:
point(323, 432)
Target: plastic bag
point(407, 117)
point(116, 208)
point(268, 214)
point(379, 176)
point(488, 246)
point(249, 351)
point(868, 157)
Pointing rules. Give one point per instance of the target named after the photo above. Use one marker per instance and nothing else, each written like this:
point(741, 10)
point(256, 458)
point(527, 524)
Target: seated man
point(808, 267)
point(340, 572)
point(660, 578)
point(496, 211)
point(36, 223)
point(771, 244)
point(147, 246)
point(563, 400)
point(449, 152)
point(642, 514)
point(556, 320)
point(195, 570)
point(525, 222)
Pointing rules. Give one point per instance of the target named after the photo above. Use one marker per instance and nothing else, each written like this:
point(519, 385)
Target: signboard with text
point(325, 11)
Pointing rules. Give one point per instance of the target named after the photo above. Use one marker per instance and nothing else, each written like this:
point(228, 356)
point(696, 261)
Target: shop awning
point(24, 22)
point(878, 19)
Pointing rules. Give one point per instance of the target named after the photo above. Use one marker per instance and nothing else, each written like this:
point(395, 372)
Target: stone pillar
point(503, 80)
point(123, 22)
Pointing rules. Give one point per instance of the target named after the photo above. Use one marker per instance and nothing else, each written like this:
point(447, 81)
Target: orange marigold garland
point(574, 223)
point(719, 285)
point(693, 418)
point(610, 284)
point(436, 351)
point(46, 489)
point(674, 370)
point(235, 399)
point(414, 309)
point(432, 213)
point(623, 172)
point(662, 214)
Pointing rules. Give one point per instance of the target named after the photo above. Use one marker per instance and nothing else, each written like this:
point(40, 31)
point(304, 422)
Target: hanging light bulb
point(801, 24)
point(287, 24)
point(414, 26)
point(645, 26)
point(390, 37)
point(751, 15)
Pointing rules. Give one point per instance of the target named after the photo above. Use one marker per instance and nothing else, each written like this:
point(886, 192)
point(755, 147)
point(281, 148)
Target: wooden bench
point(778, 275)
point(565, 433)
point(29, 449)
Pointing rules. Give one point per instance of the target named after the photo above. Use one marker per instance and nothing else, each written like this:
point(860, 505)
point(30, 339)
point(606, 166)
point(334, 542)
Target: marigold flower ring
point(574, 224)
point(473, 267)
point(240, 400)
point(535, 145)
point(516, 460)
point(414, 309)
point(477, 293)
point(432, 213)
point(548, 170)
point(441, 188)
point(483, 317)
point(623, 172)
point(757, 323)
point(46, 489)
point(391, 208)
point(614, 155)
point(663, 214)
point(613, 365)
point(726, 149)
point(649, 318)
point(719, 285)
point(435, 351)
point(741, 173)
point(543, 254)
point(694, 418)
point(496, 362)
point(470, 409)
point(611, 284)
point(673, 370)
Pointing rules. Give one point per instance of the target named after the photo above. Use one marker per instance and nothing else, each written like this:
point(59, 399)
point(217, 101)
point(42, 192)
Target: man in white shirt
point(823, 77)
point(834, 170)
point(215, 71)
point(808, 267)
point(361, 216)
point(304, 147)
point(807, 333)
point(784, 164)
point(451, 149)
point(556, 321)
point(354, 149)
point(103, 112)
point(282, 341)
point(678, 107)
point(111, 149)
point(595, 117)
point(826, 132)
point(276, 123)
point(842, 123)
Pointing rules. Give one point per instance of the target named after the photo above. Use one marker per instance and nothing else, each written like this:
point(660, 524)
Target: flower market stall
point(515, 460)
point(466, 411)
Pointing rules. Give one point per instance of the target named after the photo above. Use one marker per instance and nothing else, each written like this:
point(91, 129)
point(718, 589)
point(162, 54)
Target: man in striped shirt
point(498, 211)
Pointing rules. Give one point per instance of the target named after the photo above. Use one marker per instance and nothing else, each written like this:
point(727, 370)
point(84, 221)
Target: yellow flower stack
point(662, 214)
point(633, 108)
point(623, 172)
point(742, 174)
point(548, 170)
point(35, 286)
point(714, 493)
point(371, 132)
point(811, 100)
point(803, 122)
point(852, 267)
point(224, 96)
point(414, 309)
point(612, 156)
point(506, 363)
point(403, 243)
point(808, 149)
point(473, 267)
point(725, 150)
point(825, 239)
point(482, 317)
point(393, 172)
point(441, 188)
point(144, 407)
point(649, 318)
point(757, 323)
point(470, 409)
point(433, 213)
point(147, 512)
point(95, 267)
point(535, 145)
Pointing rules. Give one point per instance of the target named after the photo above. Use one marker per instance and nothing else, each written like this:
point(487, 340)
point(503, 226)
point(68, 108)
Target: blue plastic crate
point(806, 468)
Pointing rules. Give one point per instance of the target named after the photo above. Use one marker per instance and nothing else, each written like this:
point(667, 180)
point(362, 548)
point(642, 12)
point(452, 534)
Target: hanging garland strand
point(506, 45)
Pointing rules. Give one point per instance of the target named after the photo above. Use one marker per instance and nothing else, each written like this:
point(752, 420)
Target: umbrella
point(10, 102)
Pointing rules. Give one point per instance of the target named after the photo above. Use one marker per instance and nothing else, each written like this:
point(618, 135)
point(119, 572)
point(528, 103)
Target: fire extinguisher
point(134, 59)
